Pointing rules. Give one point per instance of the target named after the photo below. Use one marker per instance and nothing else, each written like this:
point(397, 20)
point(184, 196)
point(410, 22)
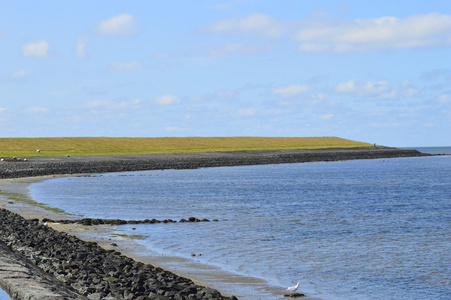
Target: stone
point(95, 296)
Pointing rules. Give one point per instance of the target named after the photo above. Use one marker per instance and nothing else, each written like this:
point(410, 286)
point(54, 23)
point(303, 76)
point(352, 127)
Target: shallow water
point(364, 229)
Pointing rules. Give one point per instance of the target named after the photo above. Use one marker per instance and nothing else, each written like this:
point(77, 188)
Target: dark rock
point(157, 297)
point(116, 222)
point(294, 295)
point(91, 270)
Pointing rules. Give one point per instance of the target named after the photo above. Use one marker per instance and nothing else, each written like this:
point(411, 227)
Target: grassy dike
point(100, 146)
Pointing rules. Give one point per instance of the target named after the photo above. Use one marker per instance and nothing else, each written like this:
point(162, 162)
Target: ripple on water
point(354, 230)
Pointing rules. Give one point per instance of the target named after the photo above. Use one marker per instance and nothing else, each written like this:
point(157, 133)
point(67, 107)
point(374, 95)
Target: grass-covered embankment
point(99, 146)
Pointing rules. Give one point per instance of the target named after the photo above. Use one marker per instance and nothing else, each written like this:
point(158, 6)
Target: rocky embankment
point(40, 166)
point(88, 269)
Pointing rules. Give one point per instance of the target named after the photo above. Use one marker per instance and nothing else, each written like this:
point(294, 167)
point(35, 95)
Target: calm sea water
point(363, 229)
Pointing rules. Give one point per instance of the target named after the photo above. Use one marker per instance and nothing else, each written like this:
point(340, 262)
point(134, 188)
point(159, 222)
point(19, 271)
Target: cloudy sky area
point(373, 71)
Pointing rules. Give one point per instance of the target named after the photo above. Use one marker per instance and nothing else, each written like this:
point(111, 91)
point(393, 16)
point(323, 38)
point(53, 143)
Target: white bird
point(294, 288)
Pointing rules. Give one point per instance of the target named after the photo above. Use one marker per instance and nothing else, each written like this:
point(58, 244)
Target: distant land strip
point(100, 146)
point(40, 166)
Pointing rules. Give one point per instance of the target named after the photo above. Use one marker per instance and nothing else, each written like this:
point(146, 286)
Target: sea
point(359, 229)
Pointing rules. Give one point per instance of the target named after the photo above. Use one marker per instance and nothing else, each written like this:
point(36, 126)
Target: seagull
point(294, 288)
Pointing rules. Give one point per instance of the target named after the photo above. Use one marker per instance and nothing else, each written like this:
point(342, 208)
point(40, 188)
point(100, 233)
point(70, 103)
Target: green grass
point(112, 279)
point(87, 146)
point(24, 198)
point(132, 236)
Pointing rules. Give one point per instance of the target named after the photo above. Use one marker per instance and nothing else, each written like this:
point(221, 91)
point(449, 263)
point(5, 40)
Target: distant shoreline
point(42, 166)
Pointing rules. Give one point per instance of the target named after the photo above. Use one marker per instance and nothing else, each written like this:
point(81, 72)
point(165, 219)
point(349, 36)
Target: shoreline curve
point(42, 166)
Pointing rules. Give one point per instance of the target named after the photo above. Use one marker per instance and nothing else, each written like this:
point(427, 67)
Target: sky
point(373, 71)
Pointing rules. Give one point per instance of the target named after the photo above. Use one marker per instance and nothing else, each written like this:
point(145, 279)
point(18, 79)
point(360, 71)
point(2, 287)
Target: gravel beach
point(62, 266)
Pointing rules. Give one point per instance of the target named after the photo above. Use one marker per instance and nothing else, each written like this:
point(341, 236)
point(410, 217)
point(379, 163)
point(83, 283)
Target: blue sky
point(373, 71)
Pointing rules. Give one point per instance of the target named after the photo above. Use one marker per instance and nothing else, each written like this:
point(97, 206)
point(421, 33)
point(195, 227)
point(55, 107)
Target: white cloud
point(290, 91)
point(313, 99)
point(276, 111)
point(388, 124)
point(175, 129)
point(247, 112)
point(2, 109)
point(364, 35)
point(38, 49)
point(376, 89)
point(20, 74)
point(96, 91)
point(97, 103)
point(37, 109)
point(61, 93)
point(410, 92)
point(443, 99)
point(363, 88)
point(326, 117)
point(121, 25)
point(225, 94)
point(82, 41)
point(232, 48)
point(310, 99)
point(405, 82)
point(256, 24)
point(167, 100)
point(112, 104)
point(125, 65)
point(160, 55)
point(390, 95)
point(437, 74)
point(322, 34)
point(188, 117)
point(320, 96)
point(313, 48)
point(346, 87)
